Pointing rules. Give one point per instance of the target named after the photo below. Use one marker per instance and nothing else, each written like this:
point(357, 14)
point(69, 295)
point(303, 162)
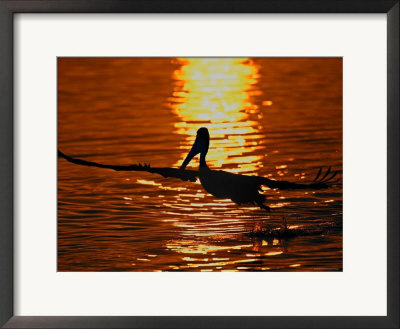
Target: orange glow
point(273, 253)
point(147, 182)
point(216, 93)
point(192, 247)
point(279, 118)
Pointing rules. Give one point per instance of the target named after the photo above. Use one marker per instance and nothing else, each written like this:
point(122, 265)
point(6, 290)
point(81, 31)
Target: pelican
point(241, 189)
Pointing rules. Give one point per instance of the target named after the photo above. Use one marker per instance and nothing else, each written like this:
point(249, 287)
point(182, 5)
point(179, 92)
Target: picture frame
point(7, 10)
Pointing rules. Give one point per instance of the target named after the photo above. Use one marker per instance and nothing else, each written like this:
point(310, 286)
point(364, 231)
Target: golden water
point(275, 117)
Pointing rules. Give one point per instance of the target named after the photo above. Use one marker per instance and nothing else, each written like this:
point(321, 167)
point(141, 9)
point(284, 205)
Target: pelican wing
point(323, 182)
point(285, 185)
point(231, 181)
point(185, 175)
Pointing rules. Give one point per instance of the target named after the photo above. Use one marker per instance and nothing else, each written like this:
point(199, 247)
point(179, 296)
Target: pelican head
point(200, 145)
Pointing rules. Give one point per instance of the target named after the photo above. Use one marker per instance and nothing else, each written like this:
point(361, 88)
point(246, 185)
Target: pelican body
point(221, 184)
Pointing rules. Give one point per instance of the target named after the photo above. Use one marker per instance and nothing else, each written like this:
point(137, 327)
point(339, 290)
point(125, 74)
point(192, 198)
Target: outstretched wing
point(320, 182)
point(185, 175)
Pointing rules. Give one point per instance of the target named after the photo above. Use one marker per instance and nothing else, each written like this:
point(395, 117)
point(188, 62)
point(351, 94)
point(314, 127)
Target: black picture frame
point(10, 7)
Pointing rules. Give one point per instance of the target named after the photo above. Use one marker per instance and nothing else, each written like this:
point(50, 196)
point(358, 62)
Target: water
point(275, 117)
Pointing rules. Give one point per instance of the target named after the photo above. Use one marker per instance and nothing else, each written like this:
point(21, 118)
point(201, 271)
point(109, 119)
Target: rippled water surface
point(275, 117)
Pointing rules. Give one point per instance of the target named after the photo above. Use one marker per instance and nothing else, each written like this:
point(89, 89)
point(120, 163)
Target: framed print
point(189, 164)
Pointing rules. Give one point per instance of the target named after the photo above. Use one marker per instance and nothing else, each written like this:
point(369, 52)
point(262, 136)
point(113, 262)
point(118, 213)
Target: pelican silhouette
point(241, 189)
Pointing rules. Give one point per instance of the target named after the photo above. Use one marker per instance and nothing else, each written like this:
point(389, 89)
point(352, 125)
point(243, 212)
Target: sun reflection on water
point(217, 93)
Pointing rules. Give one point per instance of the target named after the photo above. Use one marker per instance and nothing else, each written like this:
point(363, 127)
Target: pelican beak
point(196, 149)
